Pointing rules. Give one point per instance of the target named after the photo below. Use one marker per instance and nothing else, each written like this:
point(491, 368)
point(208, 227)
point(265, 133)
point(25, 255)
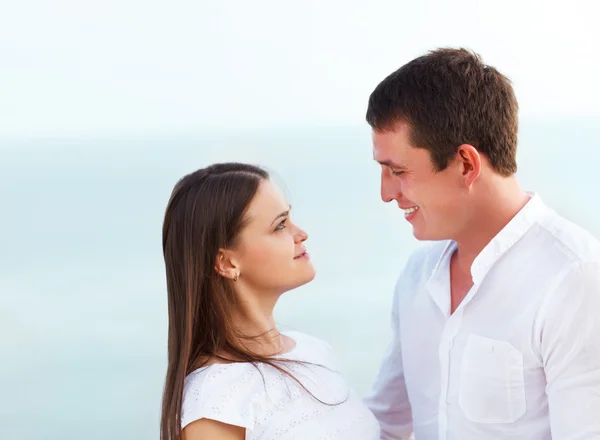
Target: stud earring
point(235, 277)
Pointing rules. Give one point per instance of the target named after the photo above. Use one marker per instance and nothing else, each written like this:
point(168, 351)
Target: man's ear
point(226, 264)
point(470, 162)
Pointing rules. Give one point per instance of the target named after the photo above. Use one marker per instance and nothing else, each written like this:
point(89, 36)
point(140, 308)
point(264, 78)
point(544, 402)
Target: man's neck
point(498, 203)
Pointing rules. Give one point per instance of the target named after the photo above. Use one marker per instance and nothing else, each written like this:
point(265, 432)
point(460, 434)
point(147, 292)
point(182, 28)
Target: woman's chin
point(306, 277)
point(312, 275)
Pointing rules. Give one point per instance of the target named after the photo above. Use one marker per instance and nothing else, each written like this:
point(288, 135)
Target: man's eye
point(397, 173)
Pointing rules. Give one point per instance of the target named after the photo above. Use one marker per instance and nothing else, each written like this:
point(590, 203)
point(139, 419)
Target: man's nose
point(389, 189)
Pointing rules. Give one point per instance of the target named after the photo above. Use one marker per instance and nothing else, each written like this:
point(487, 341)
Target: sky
point(73, 68)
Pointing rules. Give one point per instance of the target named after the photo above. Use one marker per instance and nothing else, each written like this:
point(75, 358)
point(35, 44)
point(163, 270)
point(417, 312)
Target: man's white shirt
point(519, 358)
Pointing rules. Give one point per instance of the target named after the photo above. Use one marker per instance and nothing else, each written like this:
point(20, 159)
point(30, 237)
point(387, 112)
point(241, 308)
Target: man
point(496, 330)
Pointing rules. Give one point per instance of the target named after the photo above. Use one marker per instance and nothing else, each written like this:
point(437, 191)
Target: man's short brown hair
point(449, 97)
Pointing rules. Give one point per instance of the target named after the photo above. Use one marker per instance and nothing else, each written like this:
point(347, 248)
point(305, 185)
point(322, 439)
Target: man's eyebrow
point(283, 214)
point(389, 164)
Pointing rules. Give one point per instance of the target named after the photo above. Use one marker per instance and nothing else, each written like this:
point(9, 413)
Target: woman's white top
point(271, 405)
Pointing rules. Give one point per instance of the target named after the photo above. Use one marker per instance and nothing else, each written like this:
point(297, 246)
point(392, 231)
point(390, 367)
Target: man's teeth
point(410, 210)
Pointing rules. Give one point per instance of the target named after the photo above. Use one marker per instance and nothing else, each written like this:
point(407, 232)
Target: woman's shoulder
point(232, 393)
point(305, 340)
point(204, 378)
point(310, 349)
point(221, 392)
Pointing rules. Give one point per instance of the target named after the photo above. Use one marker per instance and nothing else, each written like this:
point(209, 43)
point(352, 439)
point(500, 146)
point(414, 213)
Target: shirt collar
point(502, 242)
point(438, 283)
point(516, 228)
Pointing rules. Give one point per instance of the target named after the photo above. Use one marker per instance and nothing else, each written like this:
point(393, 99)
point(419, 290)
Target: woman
point(231, 250)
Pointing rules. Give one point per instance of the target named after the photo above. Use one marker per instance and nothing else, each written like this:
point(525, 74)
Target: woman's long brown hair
point(205, 213)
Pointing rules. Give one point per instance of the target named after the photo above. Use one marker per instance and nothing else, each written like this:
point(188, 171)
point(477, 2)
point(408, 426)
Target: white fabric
point(272, 406)
point(519, 358)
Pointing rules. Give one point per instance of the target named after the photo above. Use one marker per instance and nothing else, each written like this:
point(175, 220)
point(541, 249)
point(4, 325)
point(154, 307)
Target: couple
point(496, 322)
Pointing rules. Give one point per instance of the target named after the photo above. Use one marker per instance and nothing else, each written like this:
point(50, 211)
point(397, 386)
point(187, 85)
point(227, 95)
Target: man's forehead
point(391, 157)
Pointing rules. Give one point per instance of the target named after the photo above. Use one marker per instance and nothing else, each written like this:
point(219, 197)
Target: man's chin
point(427, 235)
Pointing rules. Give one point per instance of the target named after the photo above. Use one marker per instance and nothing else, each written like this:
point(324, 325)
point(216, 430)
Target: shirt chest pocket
point(492, 385)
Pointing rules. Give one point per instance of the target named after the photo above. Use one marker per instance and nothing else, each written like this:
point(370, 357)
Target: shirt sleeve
point(226, 395)
point(389, 399)
point(570, 350)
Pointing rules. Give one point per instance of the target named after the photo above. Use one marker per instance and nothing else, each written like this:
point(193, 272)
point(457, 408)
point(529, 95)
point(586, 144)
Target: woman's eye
point(281, 225)
point(397, 173)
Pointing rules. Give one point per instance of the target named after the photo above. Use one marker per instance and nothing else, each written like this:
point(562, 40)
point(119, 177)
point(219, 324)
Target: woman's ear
point(226, 264)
